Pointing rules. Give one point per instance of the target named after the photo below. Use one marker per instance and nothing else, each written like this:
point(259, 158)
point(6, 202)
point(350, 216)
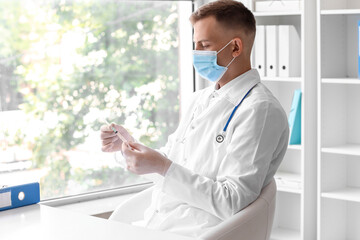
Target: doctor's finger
point(106, 128)
point(115, 143)
point(128, 150)
point(110, 140)
point(123, 132)
point(137, 146)
point(104, 135)
point(107, 148)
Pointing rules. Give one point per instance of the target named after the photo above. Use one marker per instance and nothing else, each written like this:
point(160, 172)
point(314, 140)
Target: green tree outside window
point(67, 64)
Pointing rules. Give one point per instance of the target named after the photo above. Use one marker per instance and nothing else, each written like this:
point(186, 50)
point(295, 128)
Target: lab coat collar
point(236, 89)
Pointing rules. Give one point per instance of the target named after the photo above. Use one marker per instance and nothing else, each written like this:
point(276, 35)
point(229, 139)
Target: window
point(67, 65)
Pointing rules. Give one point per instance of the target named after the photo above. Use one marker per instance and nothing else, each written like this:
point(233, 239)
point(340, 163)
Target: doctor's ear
point(238, 47)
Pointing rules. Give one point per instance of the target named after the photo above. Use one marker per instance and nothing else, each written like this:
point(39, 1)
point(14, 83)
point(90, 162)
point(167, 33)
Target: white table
point(43, 222)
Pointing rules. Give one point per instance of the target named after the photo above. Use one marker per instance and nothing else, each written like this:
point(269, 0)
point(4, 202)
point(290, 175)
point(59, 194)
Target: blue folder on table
point(295, 119)
point(18, 196)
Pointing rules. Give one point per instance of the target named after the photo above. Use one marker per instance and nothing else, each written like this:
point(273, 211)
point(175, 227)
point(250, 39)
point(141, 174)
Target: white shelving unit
point(262, 14)
point(338, 120)
point(295, 216)
point(282, 79)
point(280, 233)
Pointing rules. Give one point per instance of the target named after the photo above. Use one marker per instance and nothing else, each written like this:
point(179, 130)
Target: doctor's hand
point(142, 160)
point(110, 141)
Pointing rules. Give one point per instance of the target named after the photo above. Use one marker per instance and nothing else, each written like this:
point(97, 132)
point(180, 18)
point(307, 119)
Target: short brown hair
point(229, 13)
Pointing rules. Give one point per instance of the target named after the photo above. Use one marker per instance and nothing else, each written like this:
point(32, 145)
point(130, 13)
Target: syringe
point(118, 134)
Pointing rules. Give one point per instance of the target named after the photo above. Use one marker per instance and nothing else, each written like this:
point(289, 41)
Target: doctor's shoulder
point(261, 99)
point(261, 95)
point(269, 97)
point(265, 101)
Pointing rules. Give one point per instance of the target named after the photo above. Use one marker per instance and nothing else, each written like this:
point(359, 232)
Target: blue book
point(295, 119)
point(18, 196)
point(359, 49)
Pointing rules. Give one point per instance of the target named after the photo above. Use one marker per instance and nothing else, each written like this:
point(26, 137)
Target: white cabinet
point(338, 120)
point(295, 216)
point(296, 213)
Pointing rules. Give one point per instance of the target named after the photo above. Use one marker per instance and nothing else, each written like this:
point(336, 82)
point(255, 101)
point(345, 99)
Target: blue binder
point(359, 49)
point(18, 196)
point(295, 119)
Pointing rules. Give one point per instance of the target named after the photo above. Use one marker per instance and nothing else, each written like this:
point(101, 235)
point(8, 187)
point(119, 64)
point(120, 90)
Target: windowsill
point(97, 206)
point(96, 203)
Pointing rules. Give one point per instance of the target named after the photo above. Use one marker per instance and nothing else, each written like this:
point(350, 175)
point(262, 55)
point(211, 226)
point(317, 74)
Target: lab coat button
point(156, 211)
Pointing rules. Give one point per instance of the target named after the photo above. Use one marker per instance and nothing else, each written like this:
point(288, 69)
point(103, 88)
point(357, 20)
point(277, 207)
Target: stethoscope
point(220, 138)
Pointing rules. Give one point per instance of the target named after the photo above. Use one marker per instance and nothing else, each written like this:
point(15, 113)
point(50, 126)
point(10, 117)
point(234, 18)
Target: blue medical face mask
point(205, 64)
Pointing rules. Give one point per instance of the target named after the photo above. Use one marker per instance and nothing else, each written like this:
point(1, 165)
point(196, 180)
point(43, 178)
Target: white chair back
point(252, 223)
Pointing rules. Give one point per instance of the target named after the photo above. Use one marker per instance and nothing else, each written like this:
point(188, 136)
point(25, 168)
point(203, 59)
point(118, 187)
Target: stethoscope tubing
point(220, 137)
point(236, 107)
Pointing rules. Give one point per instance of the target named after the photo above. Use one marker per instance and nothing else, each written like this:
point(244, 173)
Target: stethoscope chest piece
point(220, 138)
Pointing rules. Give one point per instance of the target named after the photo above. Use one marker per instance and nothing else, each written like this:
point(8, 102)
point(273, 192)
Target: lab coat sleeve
point(255, 138)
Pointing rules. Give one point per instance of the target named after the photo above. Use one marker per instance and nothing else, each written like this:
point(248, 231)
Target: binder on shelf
point(18, 196)
point(295, 119)
point(359, 49)
point(289, 52)
point(272, 42)
point(260, 50)
point(278, 6)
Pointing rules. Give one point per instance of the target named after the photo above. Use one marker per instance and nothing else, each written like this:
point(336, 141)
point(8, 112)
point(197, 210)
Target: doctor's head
point(223, 22)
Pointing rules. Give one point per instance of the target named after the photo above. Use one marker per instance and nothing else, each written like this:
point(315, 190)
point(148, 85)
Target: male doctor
point(229, 143)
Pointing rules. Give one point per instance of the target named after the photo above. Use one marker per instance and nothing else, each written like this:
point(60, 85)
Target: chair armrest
point(249, 223)
point(133, 208)
point(253, 222)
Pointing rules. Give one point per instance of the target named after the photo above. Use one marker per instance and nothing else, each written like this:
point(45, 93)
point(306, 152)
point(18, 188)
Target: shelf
point(284, 234)
point(295, 147)
point(340, 12)
point(282, 79)
point(294, 203)
point(348, 194)
point(267, 14)
point(338, 98)
point(288, 182)
point(341, 80)
point(15, 166)
point(287, 175)
point(346, 149)
point(286, 189)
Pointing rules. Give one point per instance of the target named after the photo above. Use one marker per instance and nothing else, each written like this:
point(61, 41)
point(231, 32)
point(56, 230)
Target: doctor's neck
point(236, 69)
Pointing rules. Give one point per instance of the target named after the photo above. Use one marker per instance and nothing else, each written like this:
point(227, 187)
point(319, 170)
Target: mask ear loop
point(223, 49)
point(230, 62)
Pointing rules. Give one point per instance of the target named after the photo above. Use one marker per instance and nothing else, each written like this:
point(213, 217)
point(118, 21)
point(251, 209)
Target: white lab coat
point(210, 181)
